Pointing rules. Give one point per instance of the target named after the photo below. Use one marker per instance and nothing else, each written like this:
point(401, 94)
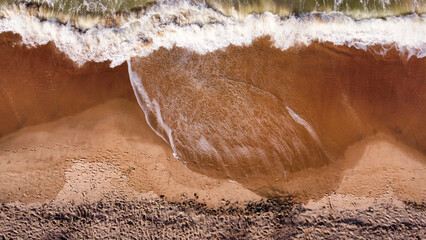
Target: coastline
point(142, 190)
point(105, 178)
point(77, 139)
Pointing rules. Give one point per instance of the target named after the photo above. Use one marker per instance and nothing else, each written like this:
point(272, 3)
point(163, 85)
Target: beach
point(93, 174)
point(190, 120)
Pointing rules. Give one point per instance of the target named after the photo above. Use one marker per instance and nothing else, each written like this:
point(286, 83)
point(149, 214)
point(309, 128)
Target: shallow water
point(256, 111)
point(355, 8)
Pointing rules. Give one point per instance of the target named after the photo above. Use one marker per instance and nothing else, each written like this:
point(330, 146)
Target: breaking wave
point(197, 27)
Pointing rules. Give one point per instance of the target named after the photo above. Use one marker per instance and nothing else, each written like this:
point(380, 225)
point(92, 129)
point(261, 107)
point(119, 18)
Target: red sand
point(78, 135)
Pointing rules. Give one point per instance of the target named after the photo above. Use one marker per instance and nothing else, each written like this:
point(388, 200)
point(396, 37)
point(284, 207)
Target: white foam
point(232, 181)
point(202, 29)
point(308, 128)
point(302, 122)
point(150, 107)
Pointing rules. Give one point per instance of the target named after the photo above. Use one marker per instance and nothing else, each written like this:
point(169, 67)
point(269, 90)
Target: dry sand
point(107, 142)
point(104, 173)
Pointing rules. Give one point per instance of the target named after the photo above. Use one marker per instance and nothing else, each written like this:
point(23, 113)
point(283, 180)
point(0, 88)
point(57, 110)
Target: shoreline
point(110, 149)
point(102, 193)
point(79, 160)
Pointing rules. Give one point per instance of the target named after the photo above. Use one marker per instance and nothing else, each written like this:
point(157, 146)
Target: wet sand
point(262, 116)
point(104, 173)
point(100, 146)
point(40, 84)
point(78, 160)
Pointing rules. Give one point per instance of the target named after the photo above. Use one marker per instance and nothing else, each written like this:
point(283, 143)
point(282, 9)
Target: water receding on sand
point(253, 116)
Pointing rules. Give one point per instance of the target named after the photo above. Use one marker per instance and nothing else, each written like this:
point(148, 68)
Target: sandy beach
point(245, 141)
point(56, 175)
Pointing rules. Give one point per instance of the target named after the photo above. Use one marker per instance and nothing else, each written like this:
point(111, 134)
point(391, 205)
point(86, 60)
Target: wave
point(358, 9)
point(201, 29)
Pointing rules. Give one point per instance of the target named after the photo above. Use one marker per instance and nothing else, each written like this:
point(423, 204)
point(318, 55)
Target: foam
point(302, 122)
point(199, 28)
point(150, 106)
point(358, 9)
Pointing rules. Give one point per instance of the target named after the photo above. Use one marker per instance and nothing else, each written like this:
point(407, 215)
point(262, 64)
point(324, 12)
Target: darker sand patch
point(156, 218)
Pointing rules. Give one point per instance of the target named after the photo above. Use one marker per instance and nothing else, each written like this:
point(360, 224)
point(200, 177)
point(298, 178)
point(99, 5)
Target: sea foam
point(198, 28)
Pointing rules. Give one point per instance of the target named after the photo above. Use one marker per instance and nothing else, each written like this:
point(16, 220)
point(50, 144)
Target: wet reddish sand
point(41, 84)
point(230, 118)
point(83, 114)
point(73, 139)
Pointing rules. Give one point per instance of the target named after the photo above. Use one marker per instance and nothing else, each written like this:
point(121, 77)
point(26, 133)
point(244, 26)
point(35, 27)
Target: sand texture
point(148, 218)
point(84, 156)
point(103, 173)
point(78, 159)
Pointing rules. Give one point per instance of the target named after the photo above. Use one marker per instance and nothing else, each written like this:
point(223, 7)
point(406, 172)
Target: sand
point(98, 147)
point(281, 121)
point(153, 218)
point(79, 161)
point(104, 173)
point(370, 168)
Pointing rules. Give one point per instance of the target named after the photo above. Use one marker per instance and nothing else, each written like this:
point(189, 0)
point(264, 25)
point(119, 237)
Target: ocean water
point(200, 28)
